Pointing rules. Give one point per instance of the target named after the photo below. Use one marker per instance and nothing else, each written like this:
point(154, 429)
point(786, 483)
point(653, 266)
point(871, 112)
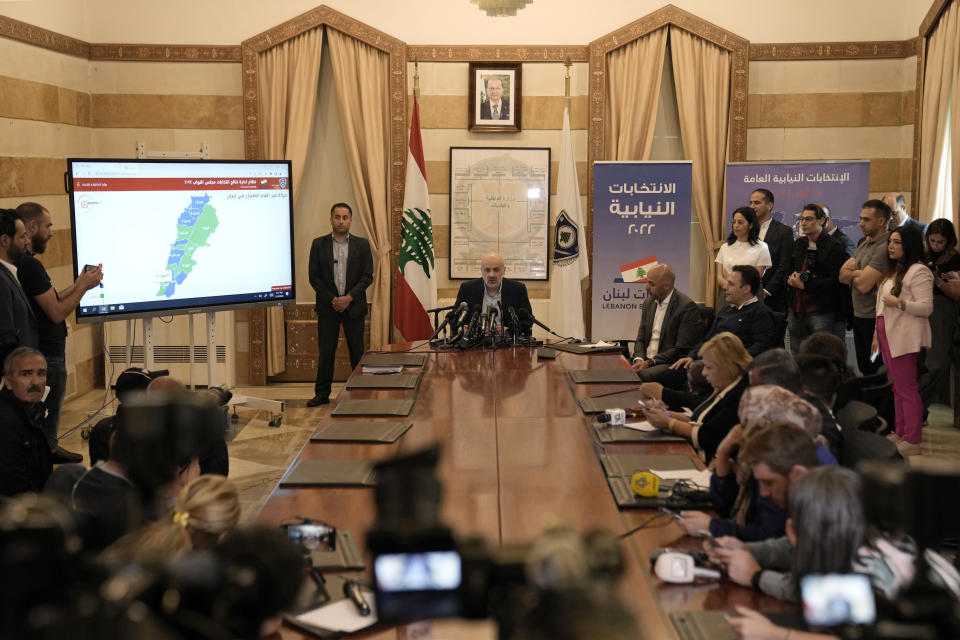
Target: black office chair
point(852, 389)
point(859, 446)
point(707, 315)
point(856, 415)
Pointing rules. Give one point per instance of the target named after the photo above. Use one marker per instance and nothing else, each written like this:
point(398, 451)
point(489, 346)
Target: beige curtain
point(633, 89)
point(941, 96)
point(289, 75)
point(702, 74)
point(361, 75)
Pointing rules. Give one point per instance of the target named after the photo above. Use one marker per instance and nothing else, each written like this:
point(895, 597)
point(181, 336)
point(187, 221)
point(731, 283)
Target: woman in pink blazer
point(904, 304)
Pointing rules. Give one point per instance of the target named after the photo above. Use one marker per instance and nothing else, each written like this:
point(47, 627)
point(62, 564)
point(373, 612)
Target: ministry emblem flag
point(569, 258)
point(416, 289)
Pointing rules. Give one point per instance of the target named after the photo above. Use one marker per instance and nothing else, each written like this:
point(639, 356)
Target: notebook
point(361, 431)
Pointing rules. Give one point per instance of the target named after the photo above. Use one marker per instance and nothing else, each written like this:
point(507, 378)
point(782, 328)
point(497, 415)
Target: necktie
point(496, 113)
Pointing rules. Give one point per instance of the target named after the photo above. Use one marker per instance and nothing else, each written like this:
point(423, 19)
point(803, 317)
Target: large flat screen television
point(177, 236)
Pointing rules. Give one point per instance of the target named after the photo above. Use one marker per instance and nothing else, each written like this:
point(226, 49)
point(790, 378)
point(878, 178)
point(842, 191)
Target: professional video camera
point(547, 589)
point(50, 590)
point(920, 503)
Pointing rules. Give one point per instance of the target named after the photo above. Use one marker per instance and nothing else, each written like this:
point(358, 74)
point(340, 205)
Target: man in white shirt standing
point(669, 326)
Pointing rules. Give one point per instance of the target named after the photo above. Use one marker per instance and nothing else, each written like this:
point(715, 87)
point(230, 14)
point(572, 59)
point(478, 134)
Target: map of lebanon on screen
point(178, 235)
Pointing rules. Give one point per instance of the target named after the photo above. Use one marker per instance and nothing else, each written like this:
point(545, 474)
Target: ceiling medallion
point(501, 8)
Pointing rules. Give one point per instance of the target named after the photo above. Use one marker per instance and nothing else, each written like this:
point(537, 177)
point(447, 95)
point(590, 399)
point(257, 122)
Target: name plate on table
point(390, 381)
point(601, 404)
point(599, 376)
point(330, 473)
point(361, 431)
point(620, 467)
point(610, 435)
point(393, 359)
point(373, 408)
point(584, 349)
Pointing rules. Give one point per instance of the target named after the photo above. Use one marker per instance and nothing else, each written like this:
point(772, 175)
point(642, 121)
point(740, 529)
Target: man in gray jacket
point(669, 325)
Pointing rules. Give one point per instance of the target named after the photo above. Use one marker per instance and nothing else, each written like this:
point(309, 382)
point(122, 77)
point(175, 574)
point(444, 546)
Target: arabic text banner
point(842, 186)
point(641, 218)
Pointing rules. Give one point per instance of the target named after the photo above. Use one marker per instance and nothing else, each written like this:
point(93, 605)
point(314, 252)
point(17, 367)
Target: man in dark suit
point(492, 288)
point(341, 269)
point(18, 325)
point(669, 325)
point(744, 316)
point(900, 217)
point(495, 107)
point(779, 239)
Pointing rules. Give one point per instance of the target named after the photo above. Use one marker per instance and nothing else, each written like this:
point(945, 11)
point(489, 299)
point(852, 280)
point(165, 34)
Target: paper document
point(640, 425)
point(600, 345)
point(699, 477)
point(341, 615)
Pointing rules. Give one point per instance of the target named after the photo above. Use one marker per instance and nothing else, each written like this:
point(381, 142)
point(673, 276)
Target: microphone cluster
point(492, 327)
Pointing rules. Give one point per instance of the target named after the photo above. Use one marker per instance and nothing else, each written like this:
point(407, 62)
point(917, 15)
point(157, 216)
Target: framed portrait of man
point(495, 96)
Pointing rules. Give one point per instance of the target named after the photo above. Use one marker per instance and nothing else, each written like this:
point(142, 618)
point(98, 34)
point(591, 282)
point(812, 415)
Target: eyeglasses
point(807, 219)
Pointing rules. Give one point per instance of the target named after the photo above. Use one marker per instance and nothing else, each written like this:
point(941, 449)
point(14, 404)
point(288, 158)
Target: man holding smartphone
point(51, 309)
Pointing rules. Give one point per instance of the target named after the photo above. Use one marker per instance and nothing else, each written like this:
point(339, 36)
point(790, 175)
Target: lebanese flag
point(637, 271)
point(416, 288)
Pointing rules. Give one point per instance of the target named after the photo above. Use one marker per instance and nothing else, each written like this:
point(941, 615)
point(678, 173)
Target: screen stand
point(148, 344)
point(128, 352)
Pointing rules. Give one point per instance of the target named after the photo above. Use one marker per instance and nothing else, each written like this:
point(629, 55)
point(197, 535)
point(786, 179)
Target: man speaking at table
point(493, 288)
point(341, 269)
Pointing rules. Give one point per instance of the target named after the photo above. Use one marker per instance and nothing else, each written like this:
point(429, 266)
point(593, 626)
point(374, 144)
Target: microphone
point(527, 316)
point(485, 321)
point(618, 416)
point(352, 591)
point(449, 317)
point(474, 323)
point(514, 321)
point(460, 315)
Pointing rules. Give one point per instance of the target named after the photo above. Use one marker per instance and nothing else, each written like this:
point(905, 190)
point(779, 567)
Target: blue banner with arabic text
point(842, 186)
point(641, 218)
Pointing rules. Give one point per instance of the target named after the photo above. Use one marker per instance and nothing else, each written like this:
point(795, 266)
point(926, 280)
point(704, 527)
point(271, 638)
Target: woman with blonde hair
point(205, 510)
point(725, 363)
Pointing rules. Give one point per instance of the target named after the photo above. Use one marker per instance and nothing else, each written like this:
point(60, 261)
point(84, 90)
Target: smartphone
point(836, 599)
point(89, 267)
point(703, 533)
point(313, 536)
point(671, 513)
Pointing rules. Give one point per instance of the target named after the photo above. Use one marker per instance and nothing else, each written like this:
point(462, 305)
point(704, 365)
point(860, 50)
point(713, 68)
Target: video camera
point(422, 570)
point(918, 502)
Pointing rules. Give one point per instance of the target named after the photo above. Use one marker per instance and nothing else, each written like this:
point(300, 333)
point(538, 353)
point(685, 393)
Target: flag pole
point(416, 79)
point(567, 62)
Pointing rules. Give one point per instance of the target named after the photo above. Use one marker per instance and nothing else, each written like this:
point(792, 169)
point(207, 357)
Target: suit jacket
point(823, 286)
point(513, 293)
point(848, 245)
point(504, 110)
point(18, 325)
point(908, 331)
point(681, 329)
point(754, 324)
point(359, 274)
point(25, 458)
point(779, 240)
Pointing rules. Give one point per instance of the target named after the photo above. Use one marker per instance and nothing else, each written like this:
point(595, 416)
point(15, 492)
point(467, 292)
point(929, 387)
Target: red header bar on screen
point(281, 287)
point(177, 184)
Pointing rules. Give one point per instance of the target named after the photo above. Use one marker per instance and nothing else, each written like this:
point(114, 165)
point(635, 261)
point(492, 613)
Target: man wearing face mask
point(25, 458)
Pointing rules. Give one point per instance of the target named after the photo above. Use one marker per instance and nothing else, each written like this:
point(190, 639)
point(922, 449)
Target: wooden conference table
point(518, 458)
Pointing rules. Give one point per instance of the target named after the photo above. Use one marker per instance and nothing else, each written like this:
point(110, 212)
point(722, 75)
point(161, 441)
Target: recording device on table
point(423, 570)
point(463, 327)
point(619, 417)
point(682, 567)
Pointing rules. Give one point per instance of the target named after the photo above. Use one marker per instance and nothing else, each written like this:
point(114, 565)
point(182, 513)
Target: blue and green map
point(194, 227)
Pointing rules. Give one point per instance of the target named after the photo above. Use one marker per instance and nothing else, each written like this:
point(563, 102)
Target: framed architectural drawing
point(500, 201)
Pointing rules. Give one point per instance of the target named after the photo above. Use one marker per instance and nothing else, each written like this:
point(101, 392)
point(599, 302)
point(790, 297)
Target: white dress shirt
point(654, 347)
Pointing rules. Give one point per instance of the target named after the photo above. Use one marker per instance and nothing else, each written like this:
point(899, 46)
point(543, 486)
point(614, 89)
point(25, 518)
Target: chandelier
point(501, 8)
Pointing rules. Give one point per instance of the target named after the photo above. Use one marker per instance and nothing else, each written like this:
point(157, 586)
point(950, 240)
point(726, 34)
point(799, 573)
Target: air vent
point(167, 354)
